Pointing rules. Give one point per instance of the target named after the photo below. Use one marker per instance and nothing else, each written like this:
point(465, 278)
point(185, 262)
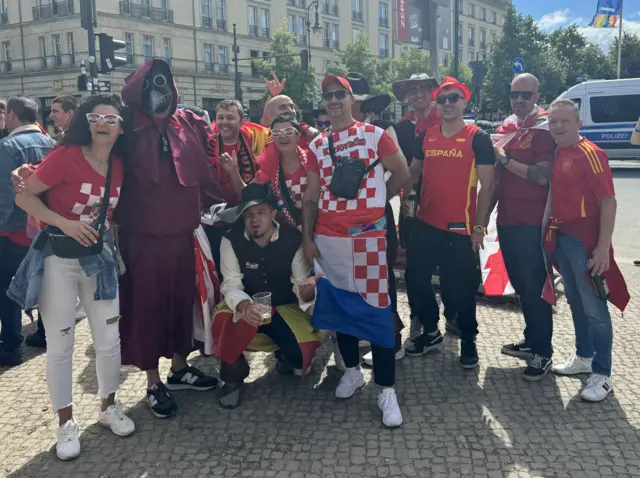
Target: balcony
point(6, 66)
point(335, 45)
point(264, 32)
point(129, 59)
point(384, 22)
point(145, 12)
point(384, 52)
point(53, 10)
point(4, 18)
point(357, 16)
point(302, 40)
point(472, 42)
point(206, 22)
point(221, 25)
point(326, 43)
point(253, 31)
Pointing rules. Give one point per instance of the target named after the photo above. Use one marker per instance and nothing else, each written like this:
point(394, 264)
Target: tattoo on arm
point(539, 172)
point(310, 217)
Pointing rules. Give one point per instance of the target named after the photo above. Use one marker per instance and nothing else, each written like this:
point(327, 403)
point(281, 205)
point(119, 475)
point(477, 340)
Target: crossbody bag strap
point(105, 199)
point(332, 153)
point(286, 197)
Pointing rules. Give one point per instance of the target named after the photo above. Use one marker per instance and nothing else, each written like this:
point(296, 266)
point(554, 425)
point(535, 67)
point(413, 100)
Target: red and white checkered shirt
point(362, 141)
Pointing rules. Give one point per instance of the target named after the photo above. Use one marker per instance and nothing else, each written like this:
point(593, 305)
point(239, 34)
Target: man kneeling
point(257, 256)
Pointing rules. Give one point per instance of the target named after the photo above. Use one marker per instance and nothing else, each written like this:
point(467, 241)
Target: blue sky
point(552, 14)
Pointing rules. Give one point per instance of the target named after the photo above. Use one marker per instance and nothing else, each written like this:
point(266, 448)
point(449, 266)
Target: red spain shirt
point(581, 178)
point(448, 194)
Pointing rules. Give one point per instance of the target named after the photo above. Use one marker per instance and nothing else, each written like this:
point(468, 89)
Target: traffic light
point(304, 58)
point(109, 46)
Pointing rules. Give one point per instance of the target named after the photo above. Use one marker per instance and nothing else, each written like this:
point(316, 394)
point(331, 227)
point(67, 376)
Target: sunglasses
point(323, 124)
point(276, 133)
point(416, 90)
point(526, 95)
point(339, 95)
point(111, 120)
point(451, 97)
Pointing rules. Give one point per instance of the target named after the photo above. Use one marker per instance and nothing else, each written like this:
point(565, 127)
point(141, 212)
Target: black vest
point(406, 133)
point(267, 269)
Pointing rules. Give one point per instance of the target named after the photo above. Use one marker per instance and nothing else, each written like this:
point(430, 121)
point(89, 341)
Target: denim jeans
point(591, 318)
point(521, 247)
point(11, 255)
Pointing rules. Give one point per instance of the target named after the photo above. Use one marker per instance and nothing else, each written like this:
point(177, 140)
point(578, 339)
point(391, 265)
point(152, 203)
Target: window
point(327, 66)
point(335, 44)
point(471, 10)
point(147, 46)
point(470, 57)
point(163, 4)
point(330, 7)
point(383, 13)
point(264, 22)
point(472, 35)
point(615, 109)
point(254, 70)
point(223, 60)
point(128, 47)
point(71, 48)
point(383, 40)
point(220, 15)
point(577, 101)
point(302, 36)
point(253, 21)
point(494, 17)
point(208, 58)
point(292, 24)
point(326, 35)
point(460, 29)
point(166, 46)
point(205, 11)
point(6, 53)
point(56, 48)
point(43, 47)
point(460, 6)
point(494, 37)
point(356, 6)
point(483, 14)
point(355, 34)
point(483, 39)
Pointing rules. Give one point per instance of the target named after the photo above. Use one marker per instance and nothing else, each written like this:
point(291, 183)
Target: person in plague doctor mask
point(159, 210)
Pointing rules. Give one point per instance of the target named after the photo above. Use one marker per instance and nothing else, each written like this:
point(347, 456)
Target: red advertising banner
point(403, 26)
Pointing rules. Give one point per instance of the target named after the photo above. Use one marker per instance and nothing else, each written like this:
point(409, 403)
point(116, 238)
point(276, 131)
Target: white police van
point(609, 110)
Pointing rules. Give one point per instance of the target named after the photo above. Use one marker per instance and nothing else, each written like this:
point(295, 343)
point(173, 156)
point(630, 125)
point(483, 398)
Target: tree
point(465, 74)
point(301, 84)
point(412, 60)
point(630, 55)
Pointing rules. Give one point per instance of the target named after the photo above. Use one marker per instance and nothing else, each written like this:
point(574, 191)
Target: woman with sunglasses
point(284, 167)
point(71, 181)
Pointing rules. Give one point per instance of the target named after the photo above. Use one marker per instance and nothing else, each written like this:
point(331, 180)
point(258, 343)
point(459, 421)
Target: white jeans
point(64, 281)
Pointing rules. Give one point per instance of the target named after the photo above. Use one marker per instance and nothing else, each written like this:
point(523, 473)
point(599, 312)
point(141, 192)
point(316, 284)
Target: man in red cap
point(451, 159)
point(344, 234)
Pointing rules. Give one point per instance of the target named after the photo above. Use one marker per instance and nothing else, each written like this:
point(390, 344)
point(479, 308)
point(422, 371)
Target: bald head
point(524, 94)
point(278, 106)
point(526, 81)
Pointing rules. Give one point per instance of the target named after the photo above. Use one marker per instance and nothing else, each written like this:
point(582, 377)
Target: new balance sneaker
point(518, 349)
point(68, 445)
point(415, 329)
point(350, 383)
point(425, 343)
point(574, 366)
point(114, 418)
point(597, 388)
point(190, 378)
point(160, 401)
point(388, 404)
point(537, 368)
point(468, 354)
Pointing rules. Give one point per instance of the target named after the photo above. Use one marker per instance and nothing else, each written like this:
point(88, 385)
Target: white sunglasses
point(109, 119)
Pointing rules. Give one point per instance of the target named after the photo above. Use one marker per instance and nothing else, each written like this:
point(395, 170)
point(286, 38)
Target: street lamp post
point(316, 25)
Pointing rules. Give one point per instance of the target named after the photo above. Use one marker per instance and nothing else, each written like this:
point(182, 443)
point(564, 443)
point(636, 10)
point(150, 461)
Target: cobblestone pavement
point(487, 422)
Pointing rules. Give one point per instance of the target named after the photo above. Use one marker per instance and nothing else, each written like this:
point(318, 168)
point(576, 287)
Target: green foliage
point(301, 84)
point(630, 55)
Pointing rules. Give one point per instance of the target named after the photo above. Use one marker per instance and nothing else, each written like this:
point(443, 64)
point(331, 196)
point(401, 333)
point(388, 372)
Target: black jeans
point(392, 254)
point(452, 253)
point(11, 255)
point(282, 336)
point(384, 359)
point(521, 247)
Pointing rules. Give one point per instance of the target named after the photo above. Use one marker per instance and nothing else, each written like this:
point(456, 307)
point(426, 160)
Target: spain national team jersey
point(581, 178)
point(360, 141)
point(448, 194)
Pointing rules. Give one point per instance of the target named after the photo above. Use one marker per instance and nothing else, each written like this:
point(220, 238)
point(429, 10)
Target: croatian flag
point(353, 295)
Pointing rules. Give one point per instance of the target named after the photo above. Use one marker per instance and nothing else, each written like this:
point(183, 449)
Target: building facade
point(42, 43)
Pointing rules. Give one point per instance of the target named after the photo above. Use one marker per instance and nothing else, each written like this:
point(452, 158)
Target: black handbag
point(286, 197)
point(348, 174)
point(67, 247)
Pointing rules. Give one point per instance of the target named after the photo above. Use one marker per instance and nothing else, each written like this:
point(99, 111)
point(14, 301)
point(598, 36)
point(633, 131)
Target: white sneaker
point(114, 418)
point(388, 403)
point(363, 344)
point(574, 366)
point(80, 313)
point(415, 330)
point(68, 446)
point(368, 358)
point(350, 383)
point(597, 388)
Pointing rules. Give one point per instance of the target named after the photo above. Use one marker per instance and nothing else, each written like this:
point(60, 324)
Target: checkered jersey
point(89, 202)
point(359, 141)
point(297, 186)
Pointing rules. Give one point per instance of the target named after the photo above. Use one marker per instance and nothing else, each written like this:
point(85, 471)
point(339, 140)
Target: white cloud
point(559, 18)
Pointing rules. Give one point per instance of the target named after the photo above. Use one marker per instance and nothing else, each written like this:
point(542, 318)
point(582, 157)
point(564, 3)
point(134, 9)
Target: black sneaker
point(537, 369)
point(425, 343)
point(36, 339)
point(231, 395)
point(283, 366)
point(190, 378)
point(160, 401)
point(451, 327)
point(518, 349)
point(468, 354)
point(10, 358)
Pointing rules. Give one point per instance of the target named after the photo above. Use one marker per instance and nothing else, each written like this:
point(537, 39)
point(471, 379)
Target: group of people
point(302, 239)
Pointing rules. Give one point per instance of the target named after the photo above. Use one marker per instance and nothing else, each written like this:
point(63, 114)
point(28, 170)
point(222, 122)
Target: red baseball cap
point(451, 82)
point(336, 79)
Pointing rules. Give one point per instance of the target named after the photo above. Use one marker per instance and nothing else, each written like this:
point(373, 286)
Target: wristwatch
point(504, 160)
point(480, 229)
